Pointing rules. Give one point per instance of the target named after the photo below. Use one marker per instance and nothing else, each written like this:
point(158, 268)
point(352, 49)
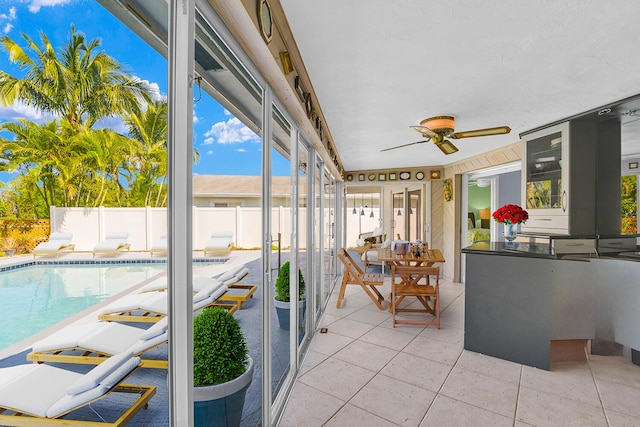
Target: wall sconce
point(285, 59)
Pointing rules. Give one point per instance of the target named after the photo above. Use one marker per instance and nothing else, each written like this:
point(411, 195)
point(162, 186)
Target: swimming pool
point(36, 297)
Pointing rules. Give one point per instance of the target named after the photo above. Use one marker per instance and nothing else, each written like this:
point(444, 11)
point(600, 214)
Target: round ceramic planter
point(221, 404)
point(282, 310)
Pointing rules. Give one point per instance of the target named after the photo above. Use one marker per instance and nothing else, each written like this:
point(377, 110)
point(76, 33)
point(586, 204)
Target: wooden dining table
point(427, 258)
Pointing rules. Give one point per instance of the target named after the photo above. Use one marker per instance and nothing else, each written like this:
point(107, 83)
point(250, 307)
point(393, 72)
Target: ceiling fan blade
point(447, 147)
point(500, 130)
point(425, 131)
point(404, 145)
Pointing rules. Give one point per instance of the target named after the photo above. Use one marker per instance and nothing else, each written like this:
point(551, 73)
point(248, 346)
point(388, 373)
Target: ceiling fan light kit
point(438, 127)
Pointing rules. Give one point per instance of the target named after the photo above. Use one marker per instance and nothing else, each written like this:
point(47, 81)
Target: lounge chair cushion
point(119, 369)
point(61, 236)
point(157, 329)
point(234, 272)
point(41, 390)
point(95, 376)
point(207, 291)
point(117, 236)
point(36, 389)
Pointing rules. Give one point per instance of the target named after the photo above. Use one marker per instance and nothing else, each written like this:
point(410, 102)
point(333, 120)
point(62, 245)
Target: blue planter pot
point(221, 404)
point(282, 310)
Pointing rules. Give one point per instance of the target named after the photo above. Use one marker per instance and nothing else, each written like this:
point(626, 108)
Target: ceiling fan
point(439, 127)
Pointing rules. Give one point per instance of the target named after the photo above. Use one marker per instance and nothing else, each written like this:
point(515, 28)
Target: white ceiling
point(379, 66)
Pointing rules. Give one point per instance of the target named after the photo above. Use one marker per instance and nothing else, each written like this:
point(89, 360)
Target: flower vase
point(510, 231)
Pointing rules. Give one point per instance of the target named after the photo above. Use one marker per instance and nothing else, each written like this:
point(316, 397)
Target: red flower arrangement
point(511, 214)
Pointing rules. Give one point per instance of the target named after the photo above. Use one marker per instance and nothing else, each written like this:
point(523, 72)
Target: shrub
point(220, 351)
point(282, 286)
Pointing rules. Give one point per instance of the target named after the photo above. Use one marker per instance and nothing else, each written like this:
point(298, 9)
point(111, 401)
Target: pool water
point(35, 298)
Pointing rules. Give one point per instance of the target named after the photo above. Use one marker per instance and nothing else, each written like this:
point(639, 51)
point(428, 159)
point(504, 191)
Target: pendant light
point(354, 205)
point(371, 214)
point(362, 206)
point(399, 213)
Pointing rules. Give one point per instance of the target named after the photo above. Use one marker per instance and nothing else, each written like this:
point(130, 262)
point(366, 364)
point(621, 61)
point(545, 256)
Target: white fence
point(145, 225)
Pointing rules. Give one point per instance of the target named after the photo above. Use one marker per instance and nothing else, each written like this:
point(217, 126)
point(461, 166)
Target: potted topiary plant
point(222, 368)
point(282, 298)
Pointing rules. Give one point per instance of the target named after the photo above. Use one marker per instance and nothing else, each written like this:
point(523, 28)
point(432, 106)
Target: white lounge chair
point(112, 244)
point(219, 243)
point(93, 343)
point(236, 292)
point(39, 395)
point(58, 243)
point(152, 306)
point(160, 247)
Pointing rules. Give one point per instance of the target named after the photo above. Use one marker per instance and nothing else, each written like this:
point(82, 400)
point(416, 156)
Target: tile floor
point(363, 372)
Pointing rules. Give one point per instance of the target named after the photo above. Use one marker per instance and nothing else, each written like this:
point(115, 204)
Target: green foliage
point(220, 352)
point(282, 286)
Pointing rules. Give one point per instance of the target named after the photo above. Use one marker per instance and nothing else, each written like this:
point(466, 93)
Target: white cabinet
point(558, 179)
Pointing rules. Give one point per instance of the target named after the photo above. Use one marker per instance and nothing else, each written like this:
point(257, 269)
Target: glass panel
point(398, 215)
point(327, 243)
point(415, 215)
point(285, 285)
point(317, 221)
point(303, 239)
point(544, 172)
point(629, 221)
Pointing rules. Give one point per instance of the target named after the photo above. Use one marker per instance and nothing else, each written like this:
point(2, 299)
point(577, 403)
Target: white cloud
point(35, 5)
point(210, 152)
point(241, 150)
point(20, 110)
point(7, 28)
point(208, 141)
point(232, 131)
point(11, 16)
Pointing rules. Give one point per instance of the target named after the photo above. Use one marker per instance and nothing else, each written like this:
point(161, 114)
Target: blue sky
point(226, 146)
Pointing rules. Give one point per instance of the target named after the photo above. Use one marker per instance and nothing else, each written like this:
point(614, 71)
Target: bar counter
point(523, 301)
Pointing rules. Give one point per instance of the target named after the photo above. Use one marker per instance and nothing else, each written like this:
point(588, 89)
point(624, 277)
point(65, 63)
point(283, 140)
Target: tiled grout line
point(515, 410)
point(441, 387)
point(593, 378)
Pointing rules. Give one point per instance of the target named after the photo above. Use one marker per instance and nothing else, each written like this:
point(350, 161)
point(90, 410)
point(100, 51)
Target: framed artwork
point(300, 90)
point(349, 177)
point(382, 177)
point(264, 18)
point(285, 60)
point(361, 177)
point(308, 107)
point(448, 190)
point(434, 174)
point(633, 165)
point(393, 176)
point(405, 176)
point(420, 175)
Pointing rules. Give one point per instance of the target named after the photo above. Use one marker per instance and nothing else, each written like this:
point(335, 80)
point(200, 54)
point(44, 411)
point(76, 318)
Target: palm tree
point(80, 85)
point(149, 128)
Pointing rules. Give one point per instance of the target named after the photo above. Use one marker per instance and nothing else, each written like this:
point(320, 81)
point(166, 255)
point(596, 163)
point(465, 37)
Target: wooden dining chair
point(421, 282)
point(354, 275)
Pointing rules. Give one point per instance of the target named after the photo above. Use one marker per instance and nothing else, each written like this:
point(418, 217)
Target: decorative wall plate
point(405, 175)
point(420, 175)
point(264, 17)
point(349, 177)
point(372, 177)
point(434, 174)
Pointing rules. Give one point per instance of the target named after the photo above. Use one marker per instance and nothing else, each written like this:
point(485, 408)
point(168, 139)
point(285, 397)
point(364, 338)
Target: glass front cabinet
point(555, 178)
